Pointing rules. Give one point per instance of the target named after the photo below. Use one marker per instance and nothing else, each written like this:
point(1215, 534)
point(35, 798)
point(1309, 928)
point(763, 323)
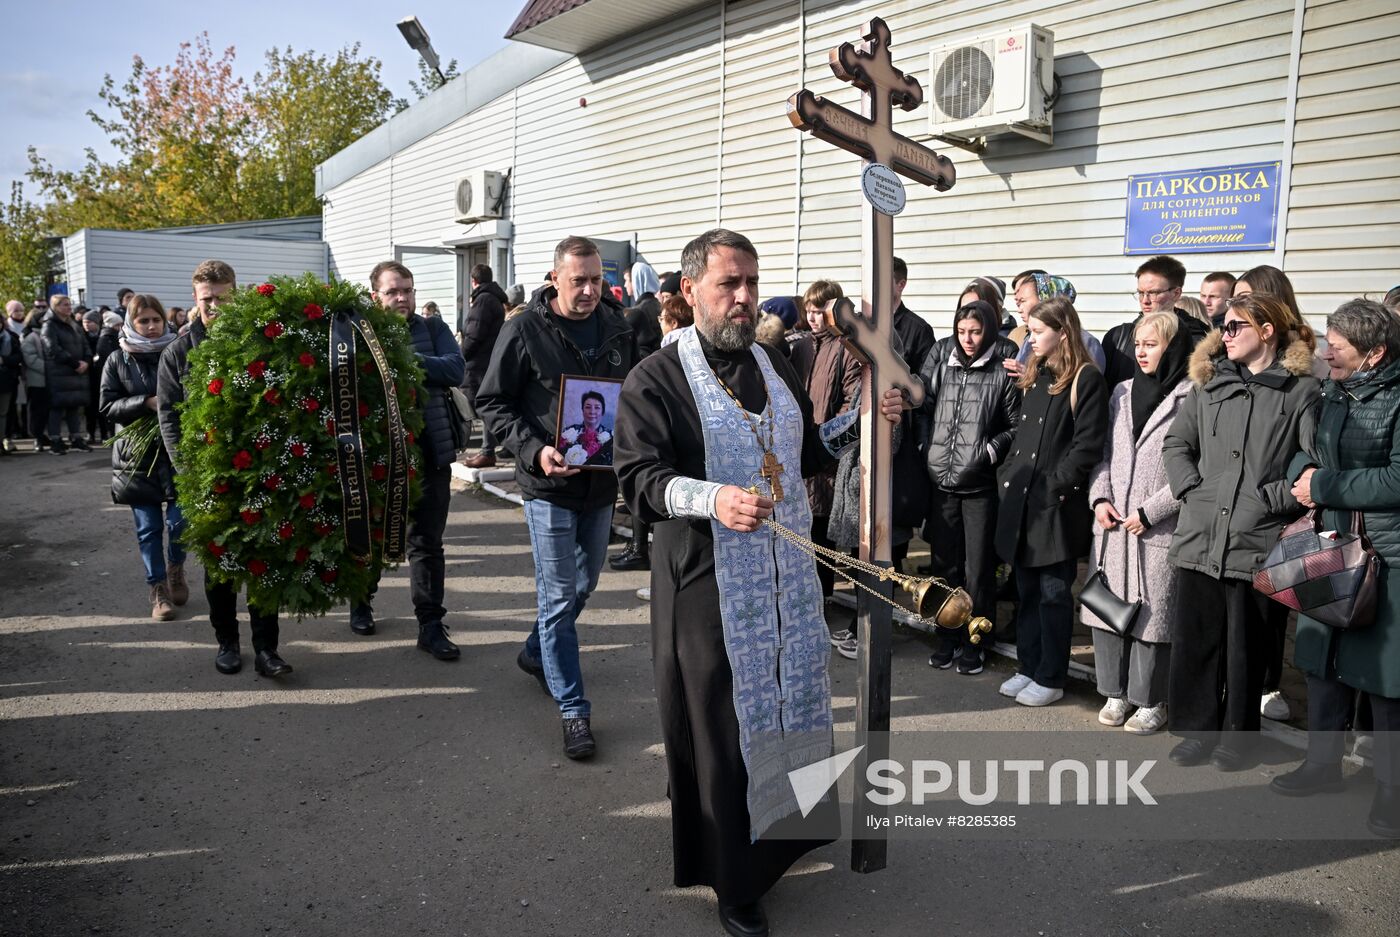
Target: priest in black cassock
point(739, 639)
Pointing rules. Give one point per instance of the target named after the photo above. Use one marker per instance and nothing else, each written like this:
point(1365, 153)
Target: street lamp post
point(417, 38)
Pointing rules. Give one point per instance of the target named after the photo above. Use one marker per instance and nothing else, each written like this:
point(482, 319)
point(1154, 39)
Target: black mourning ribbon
point(345, 410)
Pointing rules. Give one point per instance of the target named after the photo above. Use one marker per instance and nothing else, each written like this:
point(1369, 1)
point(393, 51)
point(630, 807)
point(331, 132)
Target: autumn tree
point(197, 144)
point(428, 80)
point(23, 248)
point(307, 107)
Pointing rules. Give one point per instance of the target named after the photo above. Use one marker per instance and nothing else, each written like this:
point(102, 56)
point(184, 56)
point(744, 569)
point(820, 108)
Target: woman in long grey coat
point(1136, 516)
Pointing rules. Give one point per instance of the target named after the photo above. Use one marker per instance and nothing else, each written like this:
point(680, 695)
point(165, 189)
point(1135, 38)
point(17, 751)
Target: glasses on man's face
point(1234, 327)
point(395, 294)
point(1150, 295)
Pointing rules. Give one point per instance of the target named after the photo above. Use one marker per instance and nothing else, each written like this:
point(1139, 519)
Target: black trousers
point(1045, 621)
point(825, 575)
point(39, 413)
point(1330, 704)
point(1221, 641)
point(426, 567)
point(1277, 616)
point(959, 532)
point(223, 615)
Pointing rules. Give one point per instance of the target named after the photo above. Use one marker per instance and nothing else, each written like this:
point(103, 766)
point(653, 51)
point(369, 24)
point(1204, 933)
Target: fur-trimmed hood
point(1297, 358)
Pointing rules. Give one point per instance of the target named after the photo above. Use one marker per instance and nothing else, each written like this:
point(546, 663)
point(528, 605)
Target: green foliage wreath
point(258, 480)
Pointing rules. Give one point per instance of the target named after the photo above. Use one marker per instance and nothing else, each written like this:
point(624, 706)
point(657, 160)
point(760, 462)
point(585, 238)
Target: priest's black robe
point(659, 437)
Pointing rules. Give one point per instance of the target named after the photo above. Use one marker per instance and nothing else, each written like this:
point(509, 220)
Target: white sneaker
point(1014, 685)
point(848, 649)
point(1114, 712)
point(644, 593)
point(1275, 706)
point(1147, 720)
point(1036, 695)
point(1365, 745)
point(844, 634)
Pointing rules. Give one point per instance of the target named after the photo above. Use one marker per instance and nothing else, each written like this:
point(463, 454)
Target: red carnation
point(215, 549)
point(307, 359)
point(257, 567)
point(311, 404)
point(378, 472)
point(364, 409)
point(378, 533)
point(272, 482)
point(298, 449)
point(332, 469)
point(242, 459)
point(261, 443)
point(408, 437)
point(271, 396)
point(302, 555)
point(257, 368)
point(413, 393)
point(330, 427)
point(216, 386)
point(266, 289)
point(273, 329)
point(285, 531)
point(307, 501)
point(412, 472)
point(250, 517)
point(328, 575)
point(313, 311)
point(323, 529)
point(220, 488)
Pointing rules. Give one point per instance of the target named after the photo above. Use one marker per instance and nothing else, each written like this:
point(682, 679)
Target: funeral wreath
point(298, 456)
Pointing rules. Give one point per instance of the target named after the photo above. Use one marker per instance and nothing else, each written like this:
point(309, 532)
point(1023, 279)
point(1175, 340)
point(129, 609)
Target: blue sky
point(58, 50)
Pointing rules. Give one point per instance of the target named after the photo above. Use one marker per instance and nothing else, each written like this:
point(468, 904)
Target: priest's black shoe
point(228, 660)
point(744, 920)
point(432, 638)
point(362, 618)
point(629, 560)
point(1384, 819)
point(1307, 779)
point(1233, 757)
point(534, 668)
point(269, 664)
point(578, 738)
point(1189, 752)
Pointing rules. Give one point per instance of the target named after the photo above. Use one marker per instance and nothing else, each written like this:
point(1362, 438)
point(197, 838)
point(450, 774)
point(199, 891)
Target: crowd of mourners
point(1162, 460)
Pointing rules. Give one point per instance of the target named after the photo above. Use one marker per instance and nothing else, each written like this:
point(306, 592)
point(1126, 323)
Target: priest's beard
point(727, 334)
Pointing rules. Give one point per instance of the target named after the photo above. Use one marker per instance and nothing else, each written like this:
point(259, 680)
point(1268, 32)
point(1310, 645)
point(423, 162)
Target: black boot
point(229, 659)
point(637, 556)
point(743, 920)
point(1307, 779)
point(269, 664)
point(362, 618)
point(1384, 820)
point(432, 637)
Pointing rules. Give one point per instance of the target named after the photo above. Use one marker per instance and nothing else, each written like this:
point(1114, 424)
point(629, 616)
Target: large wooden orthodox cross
point(869, 333)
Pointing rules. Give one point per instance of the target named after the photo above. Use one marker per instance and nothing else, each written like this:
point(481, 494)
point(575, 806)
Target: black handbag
point(1098, 597)
point(459, 417)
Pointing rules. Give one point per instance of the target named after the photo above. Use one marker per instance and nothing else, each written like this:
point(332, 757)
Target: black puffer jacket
point(967, 409)
point(520, 395)
point(443, 368)
point(65, 347)
point(485, 314)
point(11, 360)
point(127, 381)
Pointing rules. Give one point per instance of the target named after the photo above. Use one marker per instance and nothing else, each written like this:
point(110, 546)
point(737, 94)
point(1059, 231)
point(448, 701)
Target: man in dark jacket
point(570, 327)
point(1159, 284)
point(915, 333)
point(213, 280)
point(391, 285)
point(479, 329)
point(917, 339)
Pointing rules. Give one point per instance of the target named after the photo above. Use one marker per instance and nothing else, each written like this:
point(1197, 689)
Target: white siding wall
point(1148, 86)
point(1344, 213)
point(75, 269)
point(162, 263)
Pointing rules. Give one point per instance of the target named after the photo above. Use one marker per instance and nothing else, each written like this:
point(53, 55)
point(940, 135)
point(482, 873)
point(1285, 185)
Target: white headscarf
point(644, 279)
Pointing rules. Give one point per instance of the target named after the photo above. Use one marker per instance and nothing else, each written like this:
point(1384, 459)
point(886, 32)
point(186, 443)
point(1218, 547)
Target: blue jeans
point(569, 548)
point(149, 537)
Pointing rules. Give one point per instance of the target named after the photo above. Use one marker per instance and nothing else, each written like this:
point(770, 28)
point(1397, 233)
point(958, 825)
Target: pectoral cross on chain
point(869, 334)
point(771, 471)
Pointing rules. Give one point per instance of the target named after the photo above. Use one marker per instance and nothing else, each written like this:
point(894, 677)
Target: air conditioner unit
point(479, 196)
point(1002, 82)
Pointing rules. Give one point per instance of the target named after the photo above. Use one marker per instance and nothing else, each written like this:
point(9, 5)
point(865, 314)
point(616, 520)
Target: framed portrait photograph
point(584, 428)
